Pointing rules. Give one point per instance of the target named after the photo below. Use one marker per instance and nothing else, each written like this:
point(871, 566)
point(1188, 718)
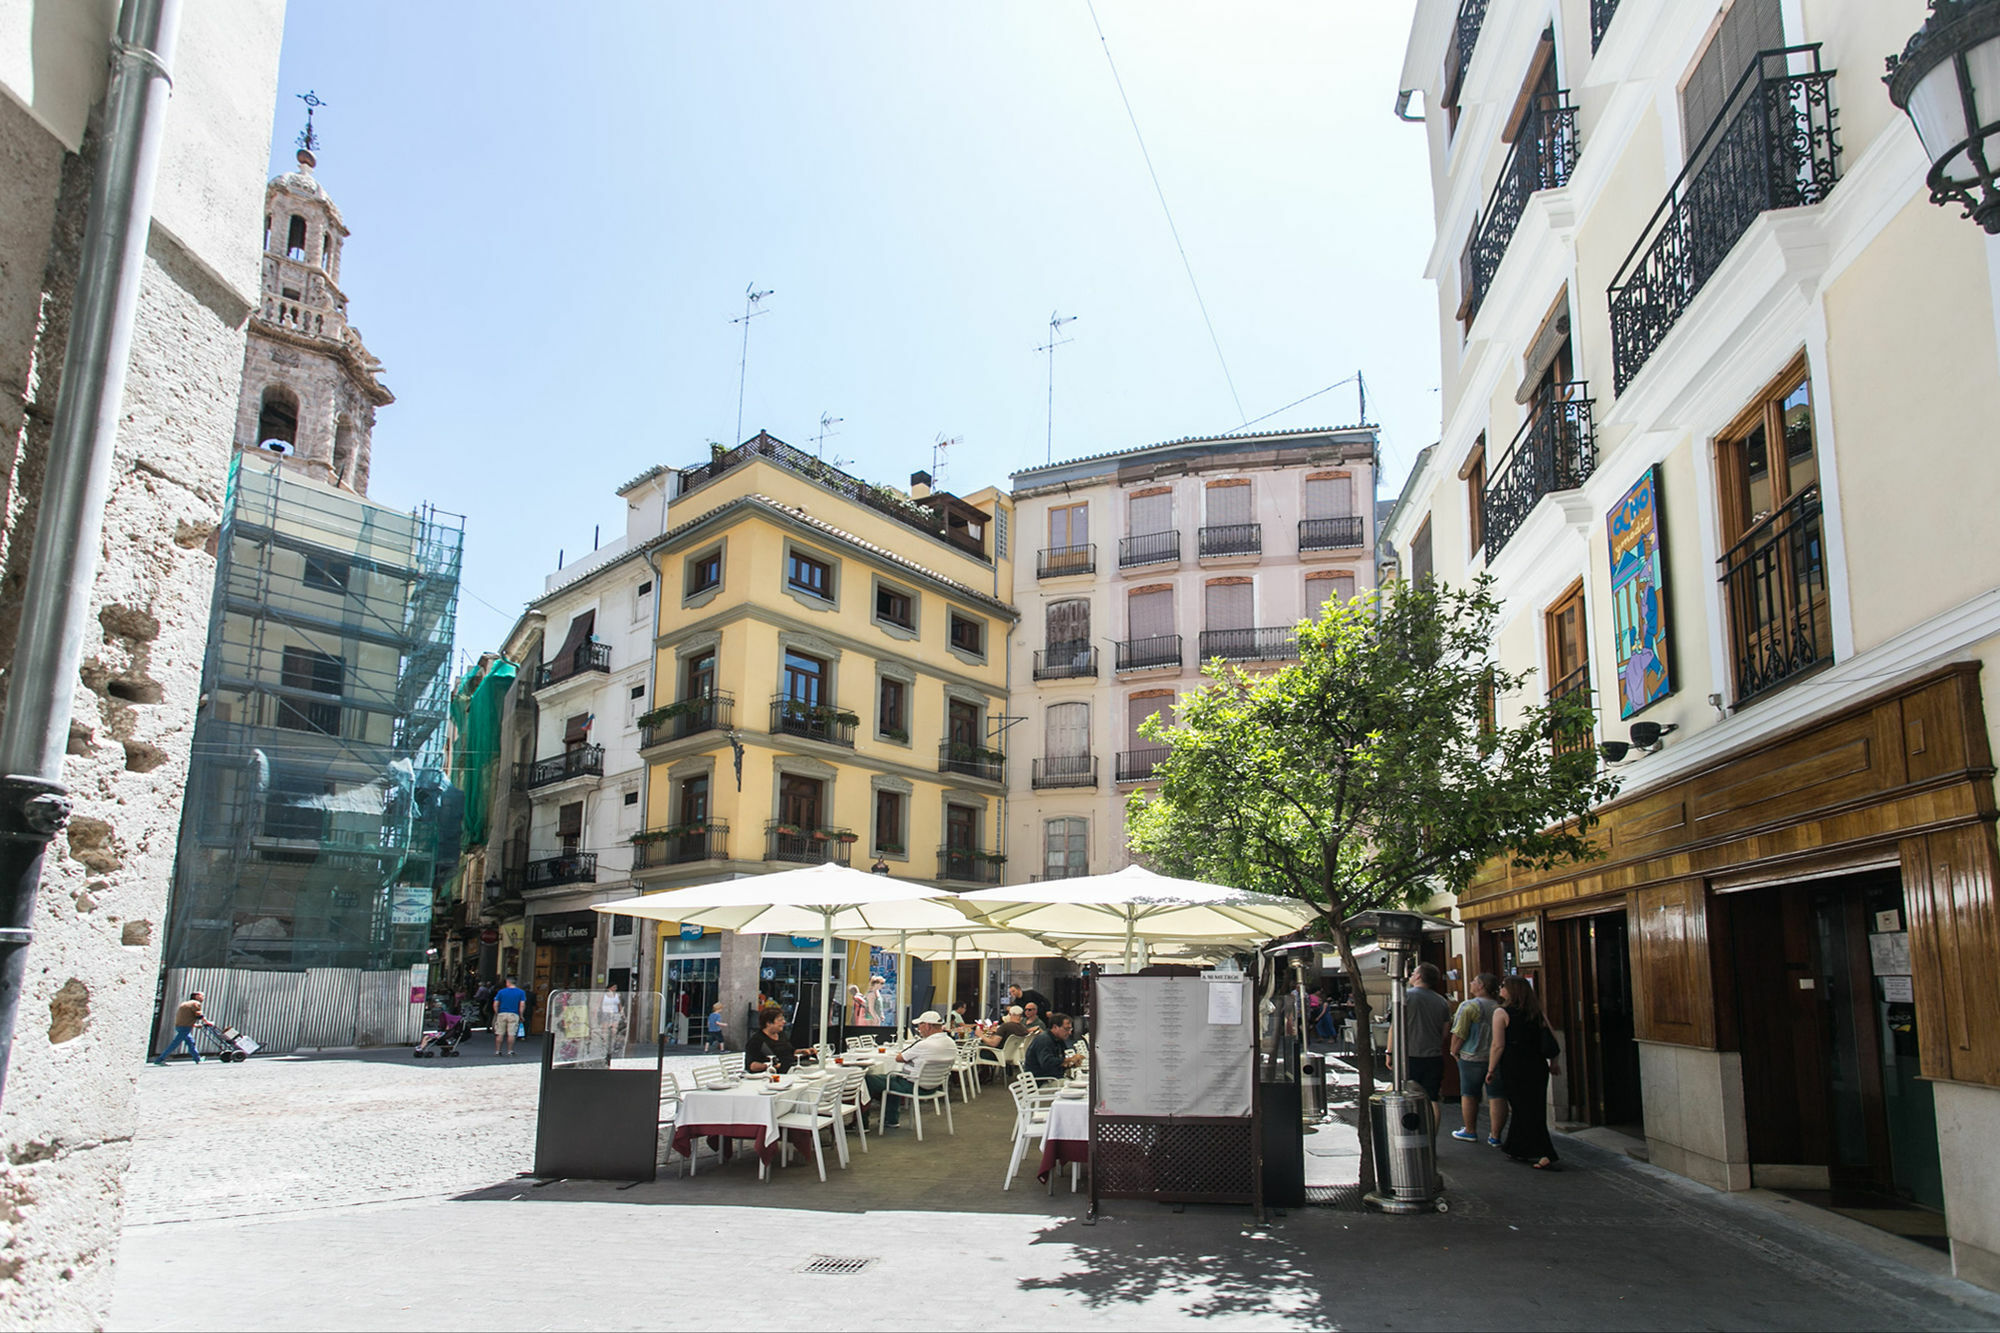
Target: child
point(713, 1033)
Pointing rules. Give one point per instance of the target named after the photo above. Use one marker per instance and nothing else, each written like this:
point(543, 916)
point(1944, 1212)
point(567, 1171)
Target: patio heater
point(1402, 1119)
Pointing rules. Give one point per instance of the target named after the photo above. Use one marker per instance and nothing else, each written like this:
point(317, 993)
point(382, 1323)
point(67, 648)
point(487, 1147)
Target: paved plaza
point(371, 1190)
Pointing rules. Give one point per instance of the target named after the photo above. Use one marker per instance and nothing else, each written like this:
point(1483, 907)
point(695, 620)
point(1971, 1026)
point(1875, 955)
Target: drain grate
point(836, 1265)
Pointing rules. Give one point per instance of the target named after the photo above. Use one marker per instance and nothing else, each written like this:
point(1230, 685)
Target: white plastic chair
point(730, 1064)
point(986, 1057)
point(1012, 1052)
point(962, 1066)
point(860, 1043)
point(1031, 1122)
point(819, 1111)
point(931, 1084)
point(854, 1086)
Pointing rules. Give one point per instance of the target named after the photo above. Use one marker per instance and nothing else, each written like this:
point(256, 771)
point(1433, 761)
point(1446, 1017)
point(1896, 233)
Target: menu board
point(1172, 1046)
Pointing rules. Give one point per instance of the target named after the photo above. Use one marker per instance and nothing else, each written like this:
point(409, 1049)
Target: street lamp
point(1948, 82)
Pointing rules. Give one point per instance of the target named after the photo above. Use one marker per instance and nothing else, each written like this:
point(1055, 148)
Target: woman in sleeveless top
point(1523, 1055)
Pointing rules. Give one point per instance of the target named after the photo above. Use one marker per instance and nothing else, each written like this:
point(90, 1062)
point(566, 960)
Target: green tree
point(1371, 773)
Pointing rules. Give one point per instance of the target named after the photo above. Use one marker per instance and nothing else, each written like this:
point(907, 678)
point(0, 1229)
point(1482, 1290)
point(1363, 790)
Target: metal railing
point(1600, 21)
point(972, 761)
point(1556, 450)
point(1774, 589)
point(1064, 771)
point(1772, 146)
point(1268, 644)
point(811, 846)
point(1162, 650)
point(1542, 157)
point(1053, 562)
point(1568, 740)
point(589, 655)
point(682, 844)
point(1329, 534)
point(1138, 765)
point(1149, 548)
point(571, 868)
point(1232, 539)
point(1065, 661)
point(968, 865)
point(815, 722)
point(584, 761)
point(711, 712)
point(1471, 18)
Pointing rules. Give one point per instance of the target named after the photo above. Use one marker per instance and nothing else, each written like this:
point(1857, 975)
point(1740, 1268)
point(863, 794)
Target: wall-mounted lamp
point(1645, 739)
point(1947, 81)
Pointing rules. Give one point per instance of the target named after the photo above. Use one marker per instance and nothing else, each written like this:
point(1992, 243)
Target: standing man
point(187, 1017)
point(1471, 1041)
point(508, 1002)
point(1426, 1019)
point(1036, 998)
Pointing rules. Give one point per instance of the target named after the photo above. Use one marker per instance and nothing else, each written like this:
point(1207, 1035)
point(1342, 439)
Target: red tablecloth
point(1068, 1137)
point(720, 1135)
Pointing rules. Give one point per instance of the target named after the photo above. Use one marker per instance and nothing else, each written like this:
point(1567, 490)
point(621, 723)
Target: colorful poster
point(1639, 598)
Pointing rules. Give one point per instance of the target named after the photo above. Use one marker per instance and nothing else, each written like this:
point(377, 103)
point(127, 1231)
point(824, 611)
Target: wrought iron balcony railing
point(1772, 146)
point(682, 844)
point(1556, 450)
point(570, 868)
point(1053, 562)
point(1162, 650)
point(808, 845)
point(968, 865)
point(1064, 771)
point(590, 655)
point(1774, 587)
point(1138, 765)
point(1149, 548)
point(1270, 644)
point(815, 722)
point(1232, 539)
point(1471, 17)
point(689, 717)
point(1542, 158)
point(583, 761)
point(1329, 534)
point(1568, 740)
point(1065, 661)
point(1600, 21)
point(972, 760)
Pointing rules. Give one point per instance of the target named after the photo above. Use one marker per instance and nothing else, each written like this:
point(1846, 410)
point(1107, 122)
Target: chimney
point(920, 485)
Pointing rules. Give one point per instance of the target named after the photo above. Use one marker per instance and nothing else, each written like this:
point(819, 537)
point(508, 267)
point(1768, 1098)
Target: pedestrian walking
point(1523, 1055)
point(1426, 1019)
point(712, 1034)
point(509, 1002)
point(187, 1017)
point(1471, 1036)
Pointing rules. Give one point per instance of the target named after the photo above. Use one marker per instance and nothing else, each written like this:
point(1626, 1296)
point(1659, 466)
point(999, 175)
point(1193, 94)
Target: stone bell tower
point(310, 385)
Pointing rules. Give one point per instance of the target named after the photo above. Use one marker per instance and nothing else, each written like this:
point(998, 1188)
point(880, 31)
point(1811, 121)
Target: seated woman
point(767, 1051)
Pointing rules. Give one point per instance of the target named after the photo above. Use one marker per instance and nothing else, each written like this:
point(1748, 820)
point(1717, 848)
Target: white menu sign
point(1172, 1046)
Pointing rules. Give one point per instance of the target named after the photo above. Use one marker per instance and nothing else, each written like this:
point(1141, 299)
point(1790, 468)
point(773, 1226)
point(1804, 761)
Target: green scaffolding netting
point(476, 708)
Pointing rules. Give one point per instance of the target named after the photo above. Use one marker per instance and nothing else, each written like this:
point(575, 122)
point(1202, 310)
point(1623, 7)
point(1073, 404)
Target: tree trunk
point(1364, 1057)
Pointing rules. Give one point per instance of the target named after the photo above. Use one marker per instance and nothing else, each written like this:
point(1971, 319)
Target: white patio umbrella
point(975, 937)
point(826, 900)
point(1138, 904)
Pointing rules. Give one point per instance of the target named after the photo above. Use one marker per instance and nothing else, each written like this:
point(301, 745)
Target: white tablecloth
point(1069, 1118)
point(737, 1106)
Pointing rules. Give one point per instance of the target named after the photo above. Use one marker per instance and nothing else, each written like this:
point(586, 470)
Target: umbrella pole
point(951, 980)
point(826, 978)
point(1131, 927)
point(902, 986)
point(983, 1009)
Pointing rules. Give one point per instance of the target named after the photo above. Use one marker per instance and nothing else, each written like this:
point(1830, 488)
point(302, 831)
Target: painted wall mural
point(1639, 598)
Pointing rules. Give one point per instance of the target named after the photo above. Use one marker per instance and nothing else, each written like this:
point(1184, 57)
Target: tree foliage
point(1372, 772)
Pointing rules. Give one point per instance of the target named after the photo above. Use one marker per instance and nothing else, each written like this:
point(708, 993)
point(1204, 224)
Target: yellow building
point(830, 684)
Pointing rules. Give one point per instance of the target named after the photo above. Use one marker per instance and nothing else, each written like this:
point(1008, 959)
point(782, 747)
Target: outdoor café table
point(738, 1112)
point(1067, 1138)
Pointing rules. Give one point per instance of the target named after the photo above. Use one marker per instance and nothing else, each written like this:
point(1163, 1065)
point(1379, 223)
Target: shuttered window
point(1229, 504)
point(1321, 587)
point(1329, 497)
point(569, 820)
point(1069, 624)
point(1066, 848)
point(1069, 525)
point(1152, 614)
point(1230, 606)
point(1749, 27)
point(1137, 710)
point(1068, 731)
point(1152, 513)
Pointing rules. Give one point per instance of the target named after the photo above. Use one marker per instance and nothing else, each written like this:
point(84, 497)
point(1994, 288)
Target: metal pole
point(826, 977)
point(1398, 1068)
point(55, 602)
point(902, 986)
point(951, 980)
point(984, 1010)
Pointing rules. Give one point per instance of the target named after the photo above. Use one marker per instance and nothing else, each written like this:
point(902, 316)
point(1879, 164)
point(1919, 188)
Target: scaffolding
point(311, 832)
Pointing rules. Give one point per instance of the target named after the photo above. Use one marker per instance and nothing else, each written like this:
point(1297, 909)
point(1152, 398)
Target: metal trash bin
point(1405, 1158)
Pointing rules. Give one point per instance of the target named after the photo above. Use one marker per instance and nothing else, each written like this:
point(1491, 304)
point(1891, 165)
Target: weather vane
point(308, 140)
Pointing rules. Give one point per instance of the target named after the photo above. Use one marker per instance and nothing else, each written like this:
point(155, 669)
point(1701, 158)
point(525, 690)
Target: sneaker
point(161, 1063)
point(1492, 1142)
point(1465, 1136)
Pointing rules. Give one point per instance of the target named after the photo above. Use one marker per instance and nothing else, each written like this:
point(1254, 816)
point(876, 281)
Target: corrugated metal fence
point(288, 1011)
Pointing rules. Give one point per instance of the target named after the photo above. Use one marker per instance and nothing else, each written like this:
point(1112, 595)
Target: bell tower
point(310, 385)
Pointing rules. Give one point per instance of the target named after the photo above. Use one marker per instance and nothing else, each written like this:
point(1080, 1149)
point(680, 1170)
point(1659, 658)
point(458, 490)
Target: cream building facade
point(1717, 378)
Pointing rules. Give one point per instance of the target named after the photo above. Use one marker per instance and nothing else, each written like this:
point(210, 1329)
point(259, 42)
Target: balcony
point(586, 657)
point(1556, 450)
point(814, 722)
point(1771, 147)
point(1063, 771)
point(681, 844)
point(1231, 539)
point(554, 871)
point(1065, 661)
point(1149, 548)
point(1600, 21)
point(1774, 589)
point(583, 761)
point(687, 717)
point(969, 866)
point(1272, 644)
point(1565, 740)
point(1329, 534)
point(1054, 562)
point(972, 761)
point(1542, 158)
point(1162, 650)
point(804, 845)
point(1138, 765)
point(1471, 18)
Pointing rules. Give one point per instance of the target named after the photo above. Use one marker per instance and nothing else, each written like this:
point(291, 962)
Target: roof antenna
point(751, 296)
point(938, 448)
point(1055, 340)
point(1361, 386)
point(827, 422)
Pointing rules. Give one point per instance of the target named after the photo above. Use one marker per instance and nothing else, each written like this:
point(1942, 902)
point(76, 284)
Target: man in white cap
point(932, 1043)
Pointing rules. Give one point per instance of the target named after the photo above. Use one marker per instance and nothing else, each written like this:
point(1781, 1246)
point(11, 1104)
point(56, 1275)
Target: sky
point(557, 211)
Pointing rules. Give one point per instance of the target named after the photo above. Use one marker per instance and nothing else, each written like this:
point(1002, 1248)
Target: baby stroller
point(443, 1039)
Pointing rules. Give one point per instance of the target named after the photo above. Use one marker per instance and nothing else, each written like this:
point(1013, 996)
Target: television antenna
point(751, 296)
point(1055, 340)
point(827, 422)
point(939, 447)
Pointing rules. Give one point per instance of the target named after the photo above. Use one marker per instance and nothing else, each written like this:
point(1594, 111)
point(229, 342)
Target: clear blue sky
point(556, 211)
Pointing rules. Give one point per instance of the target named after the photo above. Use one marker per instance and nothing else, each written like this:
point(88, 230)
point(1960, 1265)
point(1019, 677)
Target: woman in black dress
point(1518, 1066)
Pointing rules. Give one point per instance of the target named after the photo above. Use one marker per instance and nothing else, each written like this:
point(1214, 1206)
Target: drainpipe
point(34, 805)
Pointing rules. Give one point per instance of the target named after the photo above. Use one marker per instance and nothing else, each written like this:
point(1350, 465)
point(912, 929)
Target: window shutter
point(1319, 588)
point(577, 729)
point(1068, 734)
point(1069, 623)
point(569, 820)
point(1152, 614)
point(1329, 497)
point(580, 630)
point(1229, 606)
point(1229, 505)
point(1343, 586)
point(1138, 709)
point(1152, 513)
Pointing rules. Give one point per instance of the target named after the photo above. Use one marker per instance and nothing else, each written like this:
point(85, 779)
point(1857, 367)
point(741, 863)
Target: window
point(642, 601)
point(631, 798)
point(1474, 476)
point(1229, 605)
point(1329, 497)
point(805, 679)
point(1750, 26)
point(327, 573)
point(1068, 630)
point(278, 420)
point(576, 731)
point(1229, 504)
point(895, 607)
point(1150, 613)
point(1569, 654)
point(889, 835)
point(295, 238)
point(892, 713)
point(569, 827)
point(304, 669)
point(961, 723)
point(1420, 553)
point(799, 800)
point(1069, 525)
point(968, 635)
point(705, 571)
point(810, 576)
point(1331, 586)
point(1152, 511)
point(699, 676)
point(1068, 731)
point(1142, 706)
point(1065, 848)
point(694, 800)
point(961, 828)
point(295, 806)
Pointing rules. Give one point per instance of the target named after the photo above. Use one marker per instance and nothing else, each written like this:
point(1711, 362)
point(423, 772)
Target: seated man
point(767, 1051)
point(933, 1043)
point(1032, 1017)
point(1049, 1055)
point(1010, 1026)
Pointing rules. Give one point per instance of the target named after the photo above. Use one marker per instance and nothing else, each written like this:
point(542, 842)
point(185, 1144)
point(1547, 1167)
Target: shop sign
point(410, 905)
point(804, 942)
point(1528, 942)
point(689, 932)
point(489, 936)
point(568, 928)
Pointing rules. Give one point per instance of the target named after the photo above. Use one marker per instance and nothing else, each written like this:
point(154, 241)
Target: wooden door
point(799, 801)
